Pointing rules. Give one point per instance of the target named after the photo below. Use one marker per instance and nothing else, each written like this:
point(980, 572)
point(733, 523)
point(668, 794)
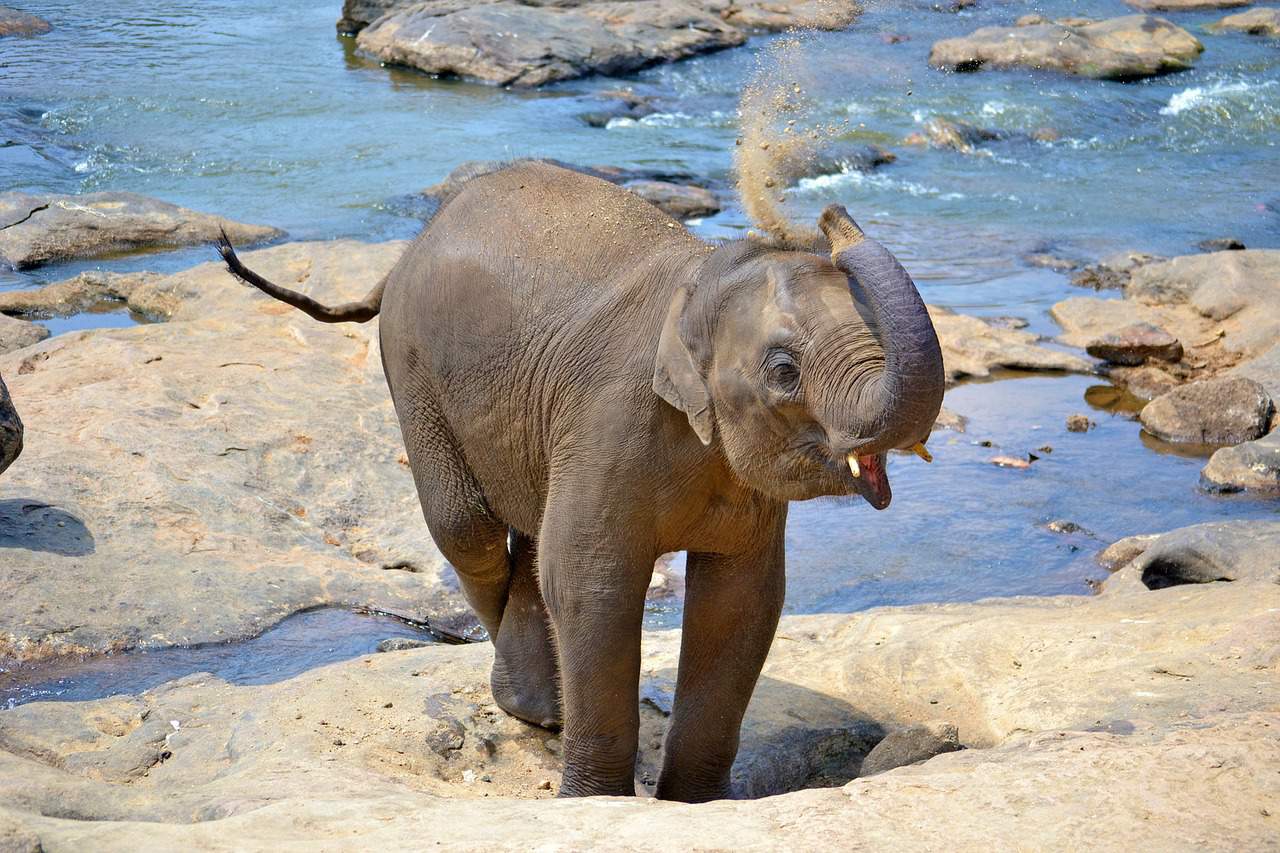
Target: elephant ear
point(676, 376)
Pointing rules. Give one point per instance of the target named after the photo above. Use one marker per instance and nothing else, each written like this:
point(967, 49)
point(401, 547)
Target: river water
point(258, 111)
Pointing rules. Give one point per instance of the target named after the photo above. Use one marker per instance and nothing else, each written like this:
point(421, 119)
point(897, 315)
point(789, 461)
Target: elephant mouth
point(870, 477)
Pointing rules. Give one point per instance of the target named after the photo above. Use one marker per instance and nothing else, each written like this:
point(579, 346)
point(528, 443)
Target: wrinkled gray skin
point(583, 386)
point(10, 429)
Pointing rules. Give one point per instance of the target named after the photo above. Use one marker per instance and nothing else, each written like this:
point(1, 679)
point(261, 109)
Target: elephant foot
point(534, 698)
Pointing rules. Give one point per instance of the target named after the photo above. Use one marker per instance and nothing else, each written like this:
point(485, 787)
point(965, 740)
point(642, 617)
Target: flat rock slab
point(39, 229)
point(143, 293)
point(14, 22)
point(1117, 48)
point(528, 44)
point(241, 456)
point(1090, 722)
point(1256, 22)
point(1219, 411)
point(1253, 466)
point(972, 347)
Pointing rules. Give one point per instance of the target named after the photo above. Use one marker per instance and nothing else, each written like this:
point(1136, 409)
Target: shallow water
point(258, 111)
point(301, 642)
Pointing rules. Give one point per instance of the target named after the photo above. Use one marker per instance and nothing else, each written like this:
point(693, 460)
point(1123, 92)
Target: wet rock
point(972, 347)
point(1079, 423)
point(17, 23)
point(791, 163)
point(1123, 551)
point(1221, 244)
point(910, 745)
point(203, 443)
point(1051, 260)
point(955, 135)
point(1117, 48)
point(10, 429)
point(1145, 383)
point(1184, 5)
point(1112, 272)
point(1256, 22)
point(87, 291)
point(16, 334)
point(39, 229)
point(622, 104)
point(678, 201)
point(400, 644)
point(1087, 703)
point(1133, 345)
point(1253, 466)
point(1224, 410)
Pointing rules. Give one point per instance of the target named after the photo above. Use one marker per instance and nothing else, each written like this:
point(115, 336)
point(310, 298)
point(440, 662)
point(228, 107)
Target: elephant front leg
point(732, 604)
point(595, 598)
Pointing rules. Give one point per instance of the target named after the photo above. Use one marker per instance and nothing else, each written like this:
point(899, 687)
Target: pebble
point(1079, 423)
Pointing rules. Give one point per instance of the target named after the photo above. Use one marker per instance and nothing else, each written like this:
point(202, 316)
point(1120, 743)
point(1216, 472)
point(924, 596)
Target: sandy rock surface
point(88, 291)
point(1258, 22)
point(38, 229)
point(972, 347)
point(1117, 48)
point(241, 455)
point(1105, 722)
point(531, 43)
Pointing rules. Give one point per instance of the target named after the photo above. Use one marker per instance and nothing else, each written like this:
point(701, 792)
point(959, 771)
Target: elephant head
point(808, 371)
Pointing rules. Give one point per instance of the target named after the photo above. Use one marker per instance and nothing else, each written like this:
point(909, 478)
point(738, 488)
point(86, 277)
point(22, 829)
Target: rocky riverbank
point(1108, 721)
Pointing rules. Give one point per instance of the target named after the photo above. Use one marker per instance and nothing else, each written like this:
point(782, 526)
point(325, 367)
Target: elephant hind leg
point(525, 679)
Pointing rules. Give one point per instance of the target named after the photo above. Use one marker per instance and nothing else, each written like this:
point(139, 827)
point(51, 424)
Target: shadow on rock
point(36, 526)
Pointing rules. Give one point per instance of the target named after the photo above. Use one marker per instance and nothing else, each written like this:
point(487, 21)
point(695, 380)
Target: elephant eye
point(781, 371)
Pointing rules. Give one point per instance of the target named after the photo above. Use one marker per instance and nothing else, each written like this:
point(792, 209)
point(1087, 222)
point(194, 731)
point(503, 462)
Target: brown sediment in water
point(775, 129)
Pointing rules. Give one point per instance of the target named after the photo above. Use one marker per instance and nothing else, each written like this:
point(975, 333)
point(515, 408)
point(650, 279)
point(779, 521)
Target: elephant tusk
point(853, 465)
point(919, 450)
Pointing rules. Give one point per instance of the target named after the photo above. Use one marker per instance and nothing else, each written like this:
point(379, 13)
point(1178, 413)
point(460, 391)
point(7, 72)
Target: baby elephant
point(583, 386)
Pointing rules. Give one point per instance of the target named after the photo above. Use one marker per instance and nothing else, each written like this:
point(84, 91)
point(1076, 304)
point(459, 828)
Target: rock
point(16, 334)
point(623, 104)
point(1225, 410)
point(90, 290)
point(1113, 272)
point(401, 644)
point(1145, 383)
point(1010, 462)
point(959, 136)
point(195, 460)
point(1117, 48)
point(794, 160)
point(1084, 717)
point(1221, 244)
point(1066, 527)
point(972, 347)
point(1256, 22)
point(15, 837)
point(1123, 551)
point(678, 201)
point(1238, 551)
point(1079, 423)
point(1050, 260)
point(910, 745)
point(1264, 369)
point(1253, 466)
point(1031, 20)
point(1184, 5)
point(10, 429)
point(38, 229)
point(1133, 345)
point(948, 419)
point(17, 23)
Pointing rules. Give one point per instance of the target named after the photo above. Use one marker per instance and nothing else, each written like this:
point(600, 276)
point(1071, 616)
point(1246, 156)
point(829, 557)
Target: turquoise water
point(258, 111)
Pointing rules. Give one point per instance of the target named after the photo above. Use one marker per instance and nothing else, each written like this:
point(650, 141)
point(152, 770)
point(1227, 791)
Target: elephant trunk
point(907, 394)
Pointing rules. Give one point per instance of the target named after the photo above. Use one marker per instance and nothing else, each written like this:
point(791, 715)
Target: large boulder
point(10, 429)
point(1220, 411)
point(1117, 48)
point(1253, 466)
point(1237, 551)
point(1258, 22)
point(14, 22)
point(38, 229)
point(240, 457)
point(1088, 721)
point(509, 42)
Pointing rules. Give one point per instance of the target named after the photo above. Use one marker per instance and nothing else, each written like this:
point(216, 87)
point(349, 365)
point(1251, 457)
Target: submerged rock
point(1255, 22)
point(955, 135)
point(38, 229)
point(1117, 48)
point(791, 161)
point(17, 23)
point(16, 334)
point(10, 429)
point(1253, 466)
point(1225, 410)
point(1221, 244)
point(1133, 345)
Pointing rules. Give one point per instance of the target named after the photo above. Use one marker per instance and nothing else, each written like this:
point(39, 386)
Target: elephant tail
point(351, 312)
